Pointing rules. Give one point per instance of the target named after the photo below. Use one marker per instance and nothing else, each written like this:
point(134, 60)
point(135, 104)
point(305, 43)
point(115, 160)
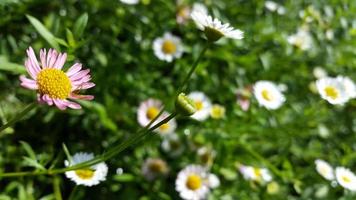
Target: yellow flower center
point(267, 95)
point(84, 173)
point(331, 92)
point(152, 112)
point(194, 182)
point(217, 112)
point(168, 47)
point(257, 172)
point(346, 179)
point(164, 127)
point(199, 105)
point(54, 82)
point(157, 167)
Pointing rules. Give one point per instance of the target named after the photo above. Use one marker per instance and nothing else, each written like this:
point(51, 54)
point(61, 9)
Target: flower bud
point(184, 105)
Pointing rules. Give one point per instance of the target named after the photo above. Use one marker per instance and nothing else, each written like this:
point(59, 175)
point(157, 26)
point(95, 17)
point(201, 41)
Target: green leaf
point(124, 178)
point(44, 32)
point(80, 25)
point(70, 38)
point(66, 151)
point(11, 67)
point(28, 150)
point(33, 163)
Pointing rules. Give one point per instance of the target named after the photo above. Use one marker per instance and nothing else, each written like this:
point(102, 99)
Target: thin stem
point(109, 154)
point(19, 116)
point(74, 191)
point(192, 69)
point(57, 188)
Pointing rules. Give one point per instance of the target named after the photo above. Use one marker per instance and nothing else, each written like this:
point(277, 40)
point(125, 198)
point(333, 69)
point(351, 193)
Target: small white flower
point(202, 104)
point(168, 47)
point(329, 34)
point(333, 90)
point(302, 39)
point(194, 182)
point(275, 7)
point(199, 7)
point(166, 128)
point(153, 168)
point(130, 2)
point(172, 145)
point(255, 174)
point(349, 85)
point(268, 94)
point(148, 110)
point(324, 169)
point(88, 176)
point(345, 178)
point(213, 28)
point(319, 72)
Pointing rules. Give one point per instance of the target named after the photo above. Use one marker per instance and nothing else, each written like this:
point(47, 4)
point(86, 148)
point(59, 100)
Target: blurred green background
point(114, 41)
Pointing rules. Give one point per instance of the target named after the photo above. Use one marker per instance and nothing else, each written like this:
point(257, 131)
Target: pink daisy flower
point(53, 85)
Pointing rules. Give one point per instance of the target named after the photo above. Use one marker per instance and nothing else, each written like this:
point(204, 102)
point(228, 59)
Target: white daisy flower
point(153, 168)
point(324, 169)
point(346, 178)
point(199, 7)
point(268, 94)
point(255, 174)
point(184, 11)
point(148, 110)
point(202, 104)
point(332, 90)
point(130, 2)
point(275, 7)
point(302, 39)
point(349, 85)
point(194, 182)
point(88, 176)
point(168, 47)
point(166, 128)
point(172, 145)
point(213, 28)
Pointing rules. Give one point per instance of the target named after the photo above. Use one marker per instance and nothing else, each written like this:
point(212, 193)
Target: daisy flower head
point(213, 28)
point(324, 169)
point(202, 105)
point(194, 182)
point(53, 85)
point(168, 127)
point(153, 168)
point(172, 145)
point(268, 94)
point(319, 72)
point(130, 2)
point(255, 174)
point(345, 178)
point(217, 111)
point(168, 47)
point(332, 90)
point(302, 39)
point(148, 110)
point(88, 176)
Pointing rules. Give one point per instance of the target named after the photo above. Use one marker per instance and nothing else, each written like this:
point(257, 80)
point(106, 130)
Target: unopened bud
point(184, 105)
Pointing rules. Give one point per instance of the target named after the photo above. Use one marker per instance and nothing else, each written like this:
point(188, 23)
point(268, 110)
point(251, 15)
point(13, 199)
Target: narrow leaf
point(44, 32)
point(80, 25)
point(28, 150)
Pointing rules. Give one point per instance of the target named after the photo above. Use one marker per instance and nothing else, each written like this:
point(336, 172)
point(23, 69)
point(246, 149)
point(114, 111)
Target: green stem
point(19, 116)
point(57, 188)
point(193, 68)
point(74, 191)
point(107, 155)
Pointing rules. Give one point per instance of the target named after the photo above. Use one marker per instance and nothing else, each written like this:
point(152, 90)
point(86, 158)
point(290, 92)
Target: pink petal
point(82, 97)
point(51, 58)
point(47, 99)
point(74, 69)
point(81, 81)
point(60, 61)
point(79, 75)
point(60, 104)
point(31, 71)
point(28, 83)
point(43, 54)
point(33, 60)
point(72, 105)
point(84, 86)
